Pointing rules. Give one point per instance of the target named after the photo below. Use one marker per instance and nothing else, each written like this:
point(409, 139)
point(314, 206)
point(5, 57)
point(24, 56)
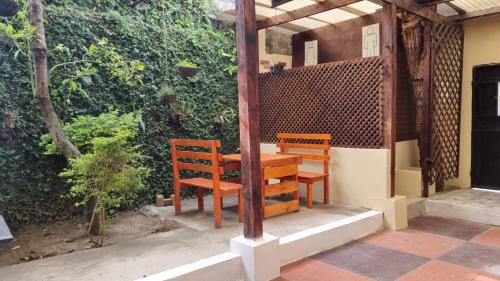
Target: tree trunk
point(39, 49)
point(8, 8)
point(95, 224)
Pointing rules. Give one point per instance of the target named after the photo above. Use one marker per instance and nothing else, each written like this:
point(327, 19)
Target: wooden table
point(274, 166)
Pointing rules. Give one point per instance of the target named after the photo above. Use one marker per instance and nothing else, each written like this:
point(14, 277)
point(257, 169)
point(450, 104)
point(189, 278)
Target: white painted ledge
point(314, 240)
point(227, 266)
point(261, 259)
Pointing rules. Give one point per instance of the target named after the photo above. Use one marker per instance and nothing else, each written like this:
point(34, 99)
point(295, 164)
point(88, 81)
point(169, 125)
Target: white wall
point(356, 175)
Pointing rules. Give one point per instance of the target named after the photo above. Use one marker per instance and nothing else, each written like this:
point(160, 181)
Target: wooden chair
point(290, 141)
point(219, 188)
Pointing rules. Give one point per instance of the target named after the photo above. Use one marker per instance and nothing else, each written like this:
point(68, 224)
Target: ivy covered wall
point(158, 33)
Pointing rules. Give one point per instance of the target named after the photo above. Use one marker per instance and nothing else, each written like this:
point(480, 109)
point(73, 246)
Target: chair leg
point(240, 205)
point(326, 190)
point(309, 195)
point(263, 197)
point(222, 202)
point(200, 192)
point(296, 194)
point(217, 211)
point(177, 198)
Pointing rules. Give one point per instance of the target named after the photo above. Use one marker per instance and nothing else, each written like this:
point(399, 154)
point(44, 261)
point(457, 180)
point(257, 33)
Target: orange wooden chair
point(292, 141)
point(219, 188)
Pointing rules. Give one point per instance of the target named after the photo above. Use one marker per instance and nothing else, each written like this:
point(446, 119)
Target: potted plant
point(181, 111)
point(166, 95)
point(225, 117)
point(187, 68)
point(277, 68)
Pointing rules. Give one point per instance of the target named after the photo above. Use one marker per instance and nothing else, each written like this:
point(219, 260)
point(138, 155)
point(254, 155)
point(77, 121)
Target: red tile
point(314, 270)
point(439, 271)
point(415, 242)
point(490, 237)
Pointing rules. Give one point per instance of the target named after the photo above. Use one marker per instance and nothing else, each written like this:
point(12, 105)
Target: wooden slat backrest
point(287, 141)
point(304, 136)
point(213, 156)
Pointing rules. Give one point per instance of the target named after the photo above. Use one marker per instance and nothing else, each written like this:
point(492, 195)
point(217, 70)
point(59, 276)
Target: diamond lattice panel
point(447, 82)
point(342, 98)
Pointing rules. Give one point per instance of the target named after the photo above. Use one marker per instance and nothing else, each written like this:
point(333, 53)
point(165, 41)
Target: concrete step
point(5, 235)
point(416, 207)
point(466, 204)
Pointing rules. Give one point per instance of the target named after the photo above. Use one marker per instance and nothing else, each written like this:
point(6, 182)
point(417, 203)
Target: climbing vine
point(80, 34)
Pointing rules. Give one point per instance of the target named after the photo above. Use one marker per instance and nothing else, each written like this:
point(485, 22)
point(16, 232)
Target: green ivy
point(154, 36)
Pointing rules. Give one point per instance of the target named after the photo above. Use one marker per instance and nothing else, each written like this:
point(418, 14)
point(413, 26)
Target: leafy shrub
point(110, 171)
point(84, 129)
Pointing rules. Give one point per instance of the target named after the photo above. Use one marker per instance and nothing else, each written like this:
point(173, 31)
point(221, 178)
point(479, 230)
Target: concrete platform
point(5, 235)
point(195, 240)
point(466, 204)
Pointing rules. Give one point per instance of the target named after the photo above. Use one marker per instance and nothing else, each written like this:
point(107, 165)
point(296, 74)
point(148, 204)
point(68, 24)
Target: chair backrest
point(319, 151)
point(199, 157)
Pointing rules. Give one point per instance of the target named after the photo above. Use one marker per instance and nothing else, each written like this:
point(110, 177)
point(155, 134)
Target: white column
point(261, 259)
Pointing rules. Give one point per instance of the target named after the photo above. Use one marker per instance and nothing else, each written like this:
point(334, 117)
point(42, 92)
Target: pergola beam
point(431, 2)
point(275, 3)
point(457, 9)
point(478, 14)
point(248, 98)
point(285, 11)
point(428, 13)
point(304, 12)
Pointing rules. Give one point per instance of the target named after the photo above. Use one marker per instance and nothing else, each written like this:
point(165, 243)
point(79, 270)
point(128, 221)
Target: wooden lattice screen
point(341, 98)
point(447, 57)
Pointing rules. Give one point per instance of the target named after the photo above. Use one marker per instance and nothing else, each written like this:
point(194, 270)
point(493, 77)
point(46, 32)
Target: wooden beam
point(478, 14)
point(275, 3)
point(389, 53)
point(428, 13)
point(248, 59)
point(353, 11)
point(304, 12)
point(431, 2)
point(285, 11)
point(457, 9)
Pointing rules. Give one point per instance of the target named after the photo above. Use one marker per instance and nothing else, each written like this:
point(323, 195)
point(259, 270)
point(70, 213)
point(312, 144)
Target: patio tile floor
point(432, 249)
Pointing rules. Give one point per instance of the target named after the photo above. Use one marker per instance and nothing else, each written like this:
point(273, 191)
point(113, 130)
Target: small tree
point(109, 169)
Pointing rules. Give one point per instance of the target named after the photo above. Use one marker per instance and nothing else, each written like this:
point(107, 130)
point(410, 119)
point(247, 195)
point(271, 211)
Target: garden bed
point(58, 238)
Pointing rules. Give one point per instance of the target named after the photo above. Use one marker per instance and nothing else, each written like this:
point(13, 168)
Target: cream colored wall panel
point(481, 46)
point(356, 175)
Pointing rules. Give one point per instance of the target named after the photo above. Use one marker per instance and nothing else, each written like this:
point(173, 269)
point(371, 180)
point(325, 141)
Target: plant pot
point(187, 71)
point(175, 120)
point(169, 98)
point(217, 126)
point(277, 68)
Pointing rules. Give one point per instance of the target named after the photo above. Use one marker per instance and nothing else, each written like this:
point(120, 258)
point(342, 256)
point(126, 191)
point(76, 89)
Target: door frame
point(475, 161)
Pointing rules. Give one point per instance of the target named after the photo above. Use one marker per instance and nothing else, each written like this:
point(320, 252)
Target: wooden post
point(425, 139)
point(248, 56)
point(389, 53)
